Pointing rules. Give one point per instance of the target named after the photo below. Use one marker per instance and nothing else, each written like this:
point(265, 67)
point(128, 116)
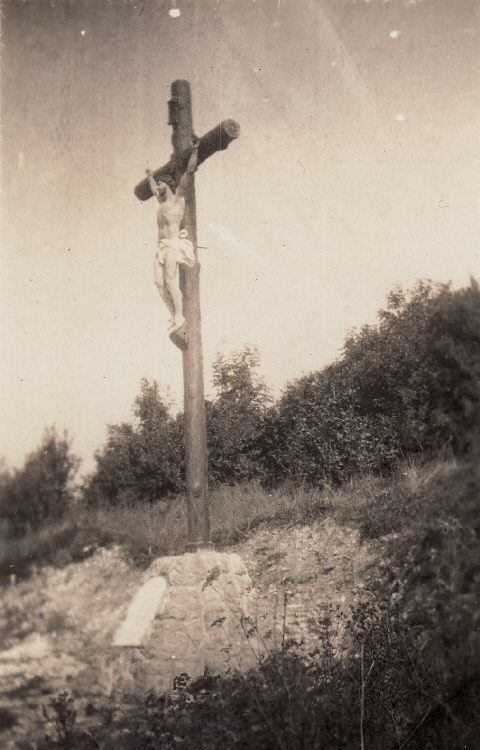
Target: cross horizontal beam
point(216, 139)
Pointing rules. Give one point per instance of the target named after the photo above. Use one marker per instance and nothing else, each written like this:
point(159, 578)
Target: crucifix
point(177, 255)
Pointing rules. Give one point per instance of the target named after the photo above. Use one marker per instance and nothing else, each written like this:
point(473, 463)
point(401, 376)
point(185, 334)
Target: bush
point(420, 366)
point(406, 387)
point(315, 435)
point(143, 460)
point(434, 570)
point(236, 419)
point(42, 489)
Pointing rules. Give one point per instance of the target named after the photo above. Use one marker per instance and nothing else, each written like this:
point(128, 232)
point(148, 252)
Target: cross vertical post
point(180, 109)
point(188, 337)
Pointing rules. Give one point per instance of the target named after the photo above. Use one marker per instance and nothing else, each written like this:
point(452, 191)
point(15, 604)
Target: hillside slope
point(58, 625)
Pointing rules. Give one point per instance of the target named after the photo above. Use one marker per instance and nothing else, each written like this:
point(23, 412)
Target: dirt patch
point(304, 574)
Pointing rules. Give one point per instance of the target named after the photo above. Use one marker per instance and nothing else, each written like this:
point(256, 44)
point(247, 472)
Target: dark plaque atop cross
point(188, 153)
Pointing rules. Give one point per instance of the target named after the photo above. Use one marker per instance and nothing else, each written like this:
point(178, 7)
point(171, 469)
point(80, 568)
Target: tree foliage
point(43, 488)
point(142, 460)
point(236, 418)
point(421, 366)
point(316, 436)
point(409, 384)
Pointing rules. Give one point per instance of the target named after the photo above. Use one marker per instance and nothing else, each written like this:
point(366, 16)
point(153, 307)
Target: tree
point(235, 419)
point(315, 435)
point(421, 366)
point(408, 385)
point(43, 488)
point(160, 468)
point(143, 460)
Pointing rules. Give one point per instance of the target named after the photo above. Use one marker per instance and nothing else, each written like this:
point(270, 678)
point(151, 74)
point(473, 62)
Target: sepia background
point(357, 169)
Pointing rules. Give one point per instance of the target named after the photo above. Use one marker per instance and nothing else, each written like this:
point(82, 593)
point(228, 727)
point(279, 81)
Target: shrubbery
point(407, 386)
point(420, 367)
point(42, 489)
point(236, 419)
point(142, 461)
point(316, 435)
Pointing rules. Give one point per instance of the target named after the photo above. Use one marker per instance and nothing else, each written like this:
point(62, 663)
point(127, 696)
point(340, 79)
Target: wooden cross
point(189, 337)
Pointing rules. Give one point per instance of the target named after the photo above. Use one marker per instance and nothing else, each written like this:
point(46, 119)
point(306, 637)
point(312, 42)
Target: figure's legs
point(160, 282)
point(172, 284)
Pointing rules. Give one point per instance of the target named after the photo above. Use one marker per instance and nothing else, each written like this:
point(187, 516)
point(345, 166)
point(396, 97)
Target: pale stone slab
point(141, 613)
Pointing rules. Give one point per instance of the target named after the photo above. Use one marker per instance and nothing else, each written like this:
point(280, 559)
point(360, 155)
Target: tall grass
point(146, 531)
point(378, 506)
point(383, 505)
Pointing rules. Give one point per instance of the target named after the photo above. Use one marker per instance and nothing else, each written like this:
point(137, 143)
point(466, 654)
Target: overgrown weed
point(381, 695)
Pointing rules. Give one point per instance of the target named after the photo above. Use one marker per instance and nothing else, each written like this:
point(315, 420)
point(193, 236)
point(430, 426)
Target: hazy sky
point(357, 168)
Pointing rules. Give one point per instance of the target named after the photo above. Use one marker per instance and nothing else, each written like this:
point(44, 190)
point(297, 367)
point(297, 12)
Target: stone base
point(188, 617)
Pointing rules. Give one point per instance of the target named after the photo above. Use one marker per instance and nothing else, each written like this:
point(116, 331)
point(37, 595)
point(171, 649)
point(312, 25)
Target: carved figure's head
point(166, 179)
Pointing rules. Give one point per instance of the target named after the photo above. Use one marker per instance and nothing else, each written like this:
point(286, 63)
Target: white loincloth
point(183, 248)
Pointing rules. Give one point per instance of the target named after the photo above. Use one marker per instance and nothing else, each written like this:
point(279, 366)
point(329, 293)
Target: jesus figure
point(174, 249)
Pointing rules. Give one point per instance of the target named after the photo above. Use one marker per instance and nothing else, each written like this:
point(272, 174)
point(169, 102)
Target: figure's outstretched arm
point(152, 183)
point(186, 176)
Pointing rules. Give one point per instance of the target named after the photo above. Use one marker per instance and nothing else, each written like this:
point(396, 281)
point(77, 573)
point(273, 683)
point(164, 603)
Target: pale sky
point(357, 168)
